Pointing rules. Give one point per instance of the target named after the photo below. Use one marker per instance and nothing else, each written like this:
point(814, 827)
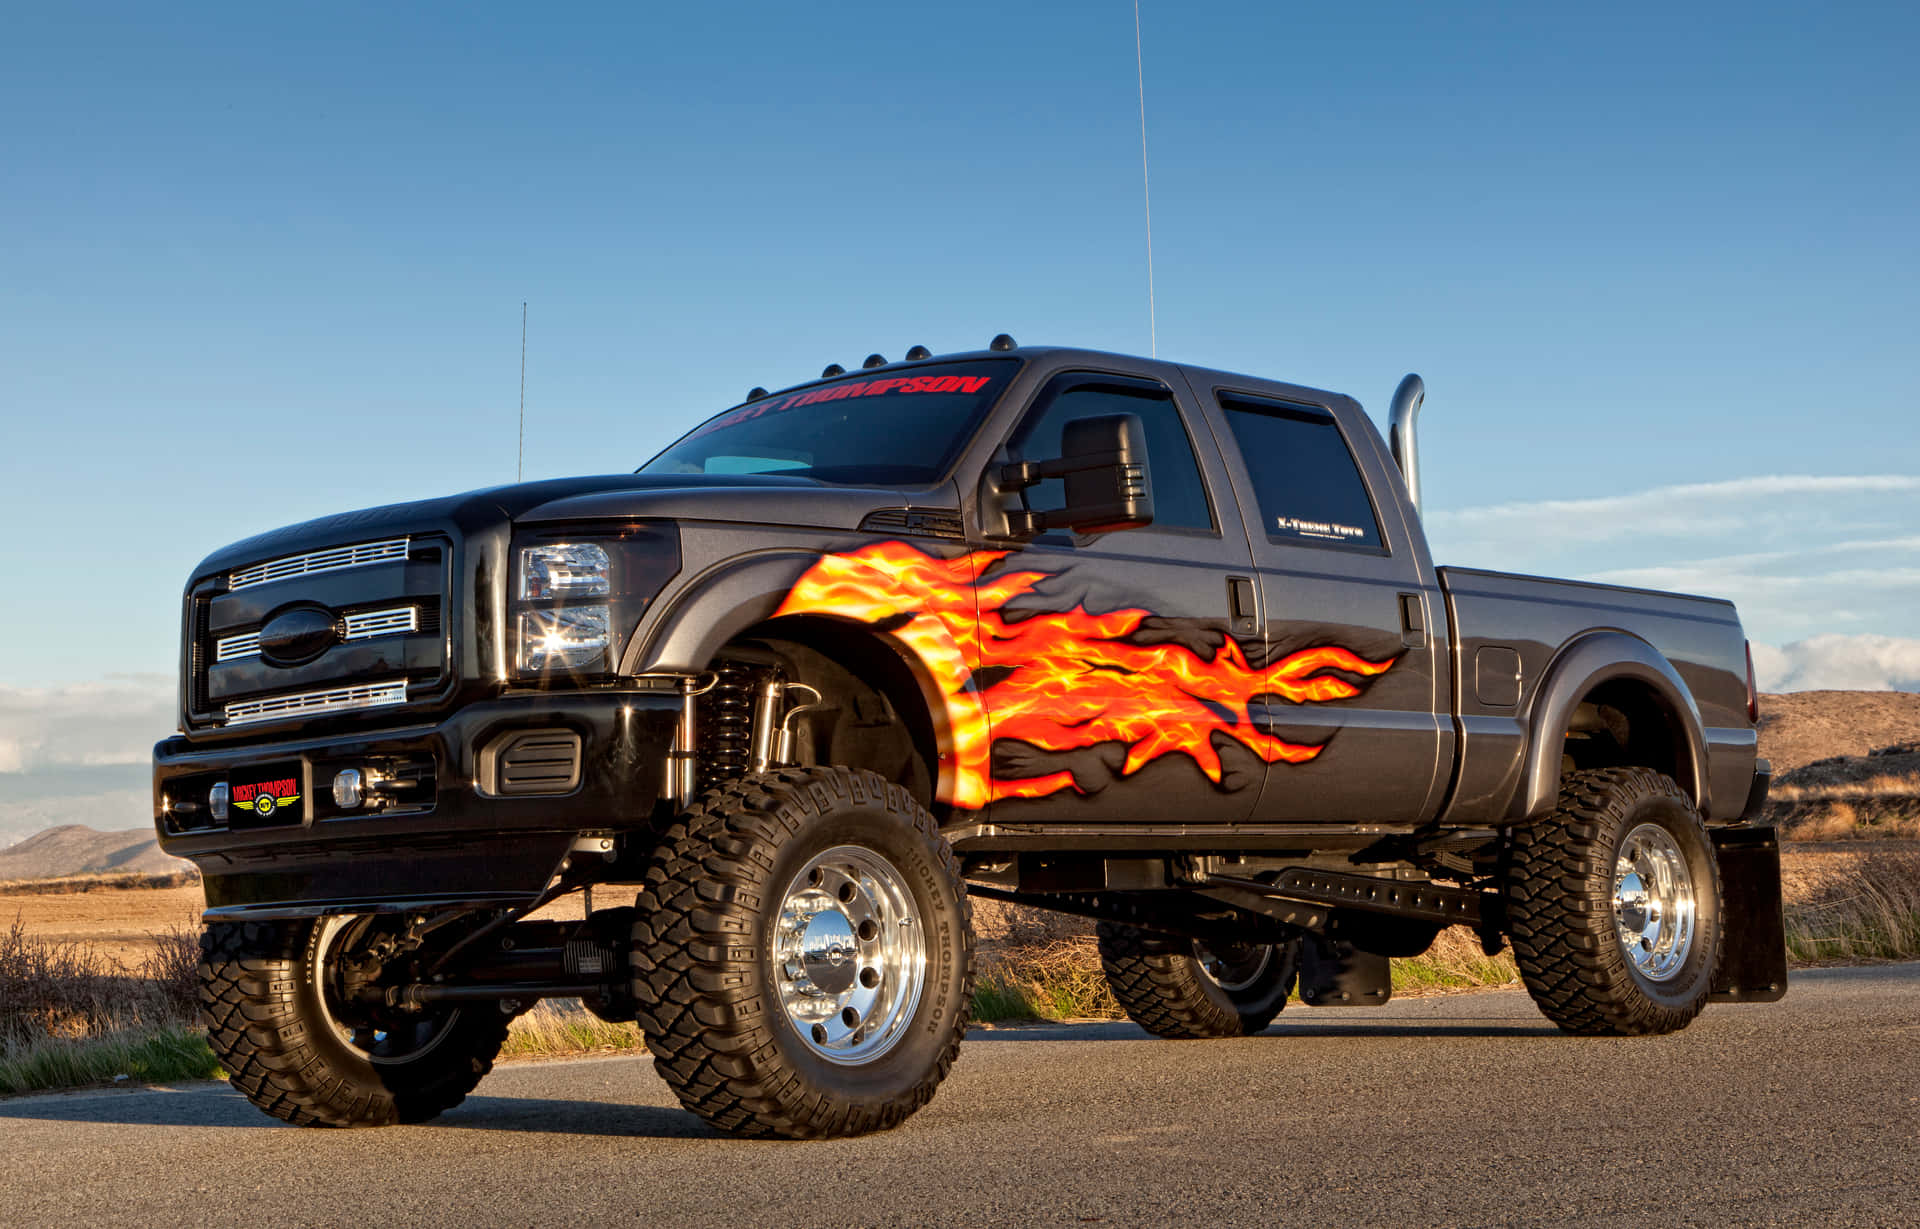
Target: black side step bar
point(1424, 902)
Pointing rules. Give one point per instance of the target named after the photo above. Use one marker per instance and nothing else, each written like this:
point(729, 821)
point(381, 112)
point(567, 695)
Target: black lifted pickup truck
point(1151, 644)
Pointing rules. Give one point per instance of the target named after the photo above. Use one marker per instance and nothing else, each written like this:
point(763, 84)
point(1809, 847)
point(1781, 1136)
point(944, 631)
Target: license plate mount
point(268, 796)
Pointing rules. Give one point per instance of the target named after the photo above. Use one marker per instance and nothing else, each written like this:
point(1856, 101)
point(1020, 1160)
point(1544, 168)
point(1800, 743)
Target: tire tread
point(1559, 886)
point(705, 1021)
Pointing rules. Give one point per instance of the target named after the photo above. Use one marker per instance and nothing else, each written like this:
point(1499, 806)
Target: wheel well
point(1625, 723)
point(874, 713)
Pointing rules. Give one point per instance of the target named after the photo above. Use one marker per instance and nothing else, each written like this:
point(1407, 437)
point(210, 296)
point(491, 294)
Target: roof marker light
point(873, 360)
point(1002, 342)
point(833, 369)
point(917, 353)
point(755, 393)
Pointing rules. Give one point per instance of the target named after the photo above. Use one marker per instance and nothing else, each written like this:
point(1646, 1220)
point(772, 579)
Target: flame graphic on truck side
point(1061, 680)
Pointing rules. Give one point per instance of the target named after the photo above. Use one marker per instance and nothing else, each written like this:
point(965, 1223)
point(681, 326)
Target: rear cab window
point(1305, 479)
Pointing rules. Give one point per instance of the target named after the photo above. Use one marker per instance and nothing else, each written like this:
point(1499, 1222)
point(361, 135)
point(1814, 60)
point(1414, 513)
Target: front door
point(1114, 687)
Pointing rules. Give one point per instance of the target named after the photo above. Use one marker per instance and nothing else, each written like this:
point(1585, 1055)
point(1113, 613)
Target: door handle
point(1413, 625)
point(1242, 604)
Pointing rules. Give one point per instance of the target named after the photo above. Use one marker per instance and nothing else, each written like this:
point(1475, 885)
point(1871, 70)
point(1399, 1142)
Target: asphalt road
point(1466, 1110)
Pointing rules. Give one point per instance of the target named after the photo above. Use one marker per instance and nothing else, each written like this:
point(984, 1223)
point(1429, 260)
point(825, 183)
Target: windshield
point(861, 430)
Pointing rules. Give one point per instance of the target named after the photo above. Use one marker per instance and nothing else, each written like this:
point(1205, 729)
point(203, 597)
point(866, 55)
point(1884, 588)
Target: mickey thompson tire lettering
point(704, 975)
point(1165, 989)
point(1561, 908)
point(266, 1023)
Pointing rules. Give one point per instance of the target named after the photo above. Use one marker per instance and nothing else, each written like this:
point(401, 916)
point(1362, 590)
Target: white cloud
point(1836, 662)
point(1799, 554)
point(115, 720)
point(1687, 509)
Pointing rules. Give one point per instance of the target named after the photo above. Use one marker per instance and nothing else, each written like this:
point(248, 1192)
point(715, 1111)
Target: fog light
point(217, 799)
point(348, 790)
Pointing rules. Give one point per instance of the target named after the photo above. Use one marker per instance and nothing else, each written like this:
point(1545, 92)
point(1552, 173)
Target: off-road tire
point(702, 956)
point(266, 1024)
point(1560, 911)
point(1160, 983)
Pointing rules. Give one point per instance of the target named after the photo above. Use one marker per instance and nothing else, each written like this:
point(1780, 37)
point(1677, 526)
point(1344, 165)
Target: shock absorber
point(773, 721)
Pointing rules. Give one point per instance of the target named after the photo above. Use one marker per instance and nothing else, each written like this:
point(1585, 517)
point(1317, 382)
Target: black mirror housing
point(1108, 489)
point(1104, 463)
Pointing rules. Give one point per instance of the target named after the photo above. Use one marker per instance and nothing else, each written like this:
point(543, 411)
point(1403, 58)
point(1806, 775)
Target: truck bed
point(1504, 623)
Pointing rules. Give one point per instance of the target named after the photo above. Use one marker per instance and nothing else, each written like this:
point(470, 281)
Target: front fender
point(1586, 663)
point(684, 632)
point(919, 606)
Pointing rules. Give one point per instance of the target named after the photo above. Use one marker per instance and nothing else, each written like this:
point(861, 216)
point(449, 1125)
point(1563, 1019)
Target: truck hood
point(766, 499)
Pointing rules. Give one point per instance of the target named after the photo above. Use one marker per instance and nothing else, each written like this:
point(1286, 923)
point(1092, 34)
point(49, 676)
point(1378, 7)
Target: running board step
point(1425, 902)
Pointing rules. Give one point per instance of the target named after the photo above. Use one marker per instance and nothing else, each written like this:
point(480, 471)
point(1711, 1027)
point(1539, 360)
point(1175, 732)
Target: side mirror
point(1104, 463)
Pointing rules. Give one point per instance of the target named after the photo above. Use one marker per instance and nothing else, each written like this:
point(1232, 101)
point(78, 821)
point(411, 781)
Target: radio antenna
point(520, 464)
point(1146, 189)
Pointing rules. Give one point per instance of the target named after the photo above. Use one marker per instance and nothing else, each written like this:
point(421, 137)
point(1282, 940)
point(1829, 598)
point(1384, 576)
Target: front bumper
point(449, 836)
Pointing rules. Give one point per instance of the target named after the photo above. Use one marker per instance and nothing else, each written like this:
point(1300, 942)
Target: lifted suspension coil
point(725, 747)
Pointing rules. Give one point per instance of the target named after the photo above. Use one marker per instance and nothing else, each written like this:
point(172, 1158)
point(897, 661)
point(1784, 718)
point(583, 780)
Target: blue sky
point(262, 263)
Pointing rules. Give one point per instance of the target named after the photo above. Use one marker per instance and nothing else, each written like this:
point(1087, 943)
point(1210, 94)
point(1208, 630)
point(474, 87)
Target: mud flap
point(1337, 974)
point(1753, 962)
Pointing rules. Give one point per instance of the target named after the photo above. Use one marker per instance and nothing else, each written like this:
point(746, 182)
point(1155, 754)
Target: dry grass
point(1873, 914)
point(1057, 980)
point(66, 885)
point(1868, 820)
point(1454, 962)
point(561, 1028)
point(72, 1015)
point(1883, 786)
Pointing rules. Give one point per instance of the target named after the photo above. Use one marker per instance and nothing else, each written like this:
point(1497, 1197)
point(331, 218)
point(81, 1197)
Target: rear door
point(1114, 686)
point(1349, 606)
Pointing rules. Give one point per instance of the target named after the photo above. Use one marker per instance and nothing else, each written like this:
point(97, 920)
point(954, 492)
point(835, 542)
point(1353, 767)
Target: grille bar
point(229, 647)
point(309, 703)
point(381, 623)
point(332, 559)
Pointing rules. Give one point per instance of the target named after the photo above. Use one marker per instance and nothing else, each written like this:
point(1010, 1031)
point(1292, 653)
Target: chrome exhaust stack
point(1403, 433)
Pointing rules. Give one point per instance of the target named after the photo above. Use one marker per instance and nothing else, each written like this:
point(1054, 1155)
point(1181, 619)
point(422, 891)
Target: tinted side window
point(1179, 494)
point(1304, 476)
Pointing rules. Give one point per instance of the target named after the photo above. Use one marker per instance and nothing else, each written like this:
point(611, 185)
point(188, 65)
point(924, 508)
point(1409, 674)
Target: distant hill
point(98, 795)
point(1799, 727)
point(74, 849)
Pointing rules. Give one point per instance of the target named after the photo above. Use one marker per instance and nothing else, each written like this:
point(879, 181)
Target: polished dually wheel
point(850, 954)
point(1653, 902)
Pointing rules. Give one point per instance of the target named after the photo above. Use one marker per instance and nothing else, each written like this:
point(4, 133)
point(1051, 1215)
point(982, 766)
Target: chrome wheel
point(400, 1038)
point(849, 955)
point(1654, 906)
point(1236, 967)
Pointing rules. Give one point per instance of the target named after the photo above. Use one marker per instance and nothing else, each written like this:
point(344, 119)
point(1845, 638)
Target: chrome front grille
point(308, 703)
point(250, 664)
point(364, 625)
point(372, 623)
point(332, 559)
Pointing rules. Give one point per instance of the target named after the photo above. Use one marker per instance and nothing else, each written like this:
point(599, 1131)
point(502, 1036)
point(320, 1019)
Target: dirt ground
point(1803, 726)
point(120, 921)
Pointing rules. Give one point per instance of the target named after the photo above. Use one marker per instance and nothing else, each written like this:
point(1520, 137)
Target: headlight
point(563, 571)
point(572, 638)
point(579, 594)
